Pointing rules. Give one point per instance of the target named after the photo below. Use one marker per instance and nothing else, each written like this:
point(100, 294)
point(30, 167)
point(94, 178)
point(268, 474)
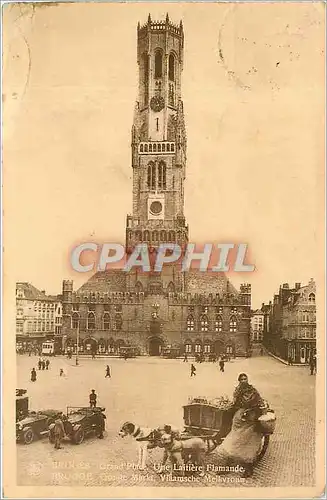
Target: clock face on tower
point(156, 207)
point(157, 103)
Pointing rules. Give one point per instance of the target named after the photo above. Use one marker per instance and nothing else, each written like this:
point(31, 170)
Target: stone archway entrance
point(155, 346)
point(218, 347)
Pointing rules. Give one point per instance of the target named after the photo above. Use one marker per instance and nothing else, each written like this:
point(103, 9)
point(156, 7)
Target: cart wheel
point(263, 448)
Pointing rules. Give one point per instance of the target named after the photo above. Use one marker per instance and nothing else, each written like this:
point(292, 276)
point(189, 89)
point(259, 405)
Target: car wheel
point(78, 436)
point(28, 436)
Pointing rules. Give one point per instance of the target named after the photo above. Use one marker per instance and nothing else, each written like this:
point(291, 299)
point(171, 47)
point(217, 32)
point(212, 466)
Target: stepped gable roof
point(111, 280)
point(31, 292)
point(208, 282)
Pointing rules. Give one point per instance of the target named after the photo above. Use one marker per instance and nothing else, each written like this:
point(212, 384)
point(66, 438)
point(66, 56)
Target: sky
point(253, 92)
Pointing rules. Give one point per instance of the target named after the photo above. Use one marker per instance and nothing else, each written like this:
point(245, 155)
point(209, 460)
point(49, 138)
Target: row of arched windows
point(90, 322)
point(156, 236)
point(157, 147)
point(204, 323)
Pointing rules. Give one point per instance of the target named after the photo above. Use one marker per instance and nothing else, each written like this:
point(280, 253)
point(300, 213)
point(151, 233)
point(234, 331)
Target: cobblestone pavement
point(151, 392)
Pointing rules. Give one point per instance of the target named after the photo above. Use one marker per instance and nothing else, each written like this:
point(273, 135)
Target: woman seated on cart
point(241, 445)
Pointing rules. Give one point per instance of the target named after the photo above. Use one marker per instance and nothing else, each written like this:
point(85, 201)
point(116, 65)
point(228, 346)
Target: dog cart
point(212, 421)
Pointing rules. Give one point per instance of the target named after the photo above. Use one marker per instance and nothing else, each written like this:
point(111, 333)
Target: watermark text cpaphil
point(220, 257)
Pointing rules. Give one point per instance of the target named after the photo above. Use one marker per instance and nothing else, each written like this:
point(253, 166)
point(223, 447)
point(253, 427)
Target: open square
point(150, 392)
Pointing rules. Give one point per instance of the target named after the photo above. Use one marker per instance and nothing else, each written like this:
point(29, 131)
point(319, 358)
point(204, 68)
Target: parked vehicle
point(35, 425)
point(129, 352)
point(21, 404)
point(81, 422)
point(171, 352)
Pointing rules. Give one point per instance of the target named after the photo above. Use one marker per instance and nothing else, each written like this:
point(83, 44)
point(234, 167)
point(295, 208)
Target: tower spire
point(167, 18)
point(149, 18)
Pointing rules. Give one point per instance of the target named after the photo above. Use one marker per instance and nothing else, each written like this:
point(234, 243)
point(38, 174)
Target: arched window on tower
point(162, 175)
point(146, 236)
point(158, 64)
point(151, 176)
point(171, 68)
point(155, 236)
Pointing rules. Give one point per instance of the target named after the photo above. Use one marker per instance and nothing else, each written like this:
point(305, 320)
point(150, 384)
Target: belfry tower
point(158, 139)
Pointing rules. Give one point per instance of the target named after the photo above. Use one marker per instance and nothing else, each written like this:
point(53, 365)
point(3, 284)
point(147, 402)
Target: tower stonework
point(190, 312)
point(158, 138)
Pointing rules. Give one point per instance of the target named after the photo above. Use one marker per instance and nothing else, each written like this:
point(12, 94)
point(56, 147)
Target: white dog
point(146, 439)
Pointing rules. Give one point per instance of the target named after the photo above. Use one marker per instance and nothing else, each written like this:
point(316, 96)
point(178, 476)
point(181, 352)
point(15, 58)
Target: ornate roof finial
point(138, 25)
point(149, 19)
point(167, 18)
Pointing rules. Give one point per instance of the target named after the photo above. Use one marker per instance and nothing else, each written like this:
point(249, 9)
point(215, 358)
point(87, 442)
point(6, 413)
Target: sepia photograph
point(163, 249)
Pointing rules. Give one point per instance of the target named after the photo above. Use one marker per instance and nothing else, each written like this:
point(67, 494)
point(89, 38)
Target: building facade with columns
point(192, 311)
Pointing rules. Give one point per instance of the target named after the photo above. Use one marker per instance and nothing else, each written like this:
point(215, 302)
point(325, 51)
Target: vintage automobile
point(21, 404)
point(81, 422)
point(34, 425)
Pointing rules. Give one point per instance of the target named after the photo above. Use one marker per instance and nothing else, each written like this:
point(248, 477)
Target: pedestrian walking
point(312, 366)
point(108, 374)
point(193, 370)
point(59, 431)
point(61, 373)
point(40, 364)
point(93, 399)
point(33, 375)
point(43, 364)
point(47, 363)
point(93, 355)
point(222, 365)
point(185, 360)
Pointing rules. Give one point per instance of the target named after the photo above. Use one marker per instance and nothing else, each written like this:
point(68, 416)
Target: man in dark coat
point(93, 399)
point(59, 431)
point(33, 375)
